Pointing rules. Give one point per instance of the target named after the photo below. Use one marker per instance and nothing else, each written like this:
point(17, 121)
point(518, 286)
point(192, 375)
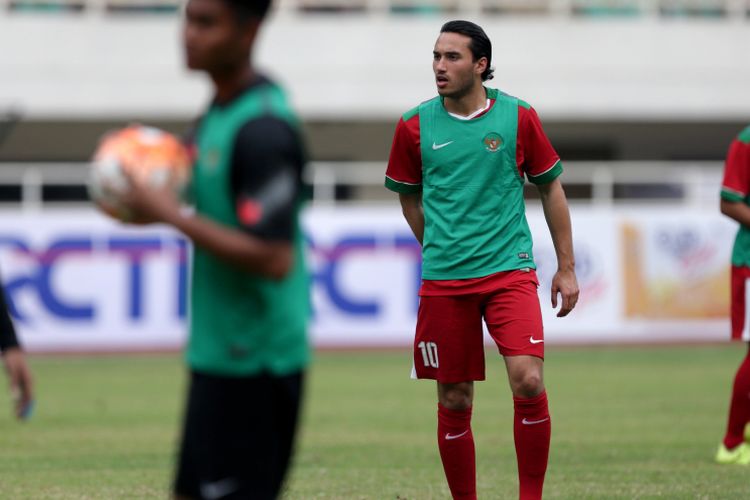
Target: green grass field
point(627, 423)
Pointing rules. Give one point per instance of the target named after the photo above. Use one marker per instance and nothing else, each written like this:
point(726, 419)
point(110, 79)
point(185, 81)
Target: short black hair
point(249, 9)
point(479, 45)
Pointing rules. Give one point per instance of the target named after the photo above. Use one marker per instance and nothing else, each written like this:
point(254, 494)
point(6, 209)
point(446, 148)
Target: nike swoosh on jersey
point(534, 341)
point(438, 146)
point(449, 436)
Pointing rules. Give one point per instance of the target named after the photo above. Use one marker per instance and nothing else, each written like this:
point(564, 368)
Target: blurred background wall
point(611, 79)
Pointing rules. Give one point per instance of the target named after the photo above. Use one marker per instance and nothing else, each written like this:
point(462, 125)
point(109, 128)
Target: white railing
point(693, 184)
point(734, 9)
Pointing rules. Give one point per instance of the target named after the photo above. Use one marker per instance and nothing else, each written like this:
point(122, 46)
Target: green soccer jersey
point(736, 188)
point(472, 192)
point(242, 324)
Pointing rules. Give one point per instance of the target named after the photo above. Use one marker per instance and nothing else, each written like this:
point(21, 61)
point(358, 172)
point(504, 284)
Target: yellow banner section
point(663, 282)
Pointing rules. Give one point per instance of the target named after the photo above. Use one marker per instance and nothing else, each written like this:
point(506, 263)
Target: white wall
point(370, 66)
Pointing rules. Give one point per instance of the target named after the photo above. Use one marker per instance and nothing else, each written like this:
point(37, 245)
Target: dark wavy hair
point(249, 9)
point(479, 45)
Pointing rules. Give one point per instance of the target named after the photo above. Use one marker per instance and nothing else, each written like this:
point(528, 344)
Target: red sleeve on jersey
point(405, 162)
point(736, 183)
point(535, 155)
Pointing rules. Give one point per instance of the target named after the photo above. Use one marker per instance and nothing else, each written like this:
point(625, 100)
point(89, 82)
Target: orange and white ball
point(146, 154)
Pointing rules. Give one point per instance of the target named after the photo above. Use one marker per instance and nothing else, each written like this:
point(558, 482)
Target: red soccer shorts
point(449, 344)
point(740, 280)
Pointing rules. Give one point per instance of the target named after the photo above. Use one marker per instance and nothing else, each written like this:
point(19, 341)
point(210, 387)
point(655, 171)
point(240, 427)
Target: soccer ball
point(147, 154)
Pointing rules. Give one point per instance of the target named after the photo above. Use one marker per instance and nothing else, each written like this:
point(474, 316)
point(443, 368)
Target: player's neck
point(230, 84)
point(468, 103)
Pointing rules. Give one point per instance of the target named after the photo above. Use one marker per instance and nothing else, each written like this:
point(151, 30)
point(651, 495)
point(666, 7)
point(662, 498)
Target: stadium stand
point(578, 8)
point(621, 81)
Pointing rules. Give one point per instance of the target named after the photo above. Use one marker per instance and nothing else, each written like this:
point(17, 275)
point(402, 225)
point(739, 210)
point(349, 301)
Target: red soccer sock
point(739, 408)
point(456, 444)
point(532, 430)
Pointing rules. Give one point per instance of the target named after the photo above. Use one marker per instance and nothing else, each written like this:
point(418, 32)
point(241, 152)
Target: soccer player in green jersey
point(458, 162)
point(249, 307)
point(735, 201)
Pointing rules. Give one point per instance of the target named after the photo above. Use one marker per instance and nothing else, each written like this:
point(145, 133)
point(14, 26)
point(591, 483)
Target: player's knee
point(528, 384)
point(455, 397)
point(456, 402)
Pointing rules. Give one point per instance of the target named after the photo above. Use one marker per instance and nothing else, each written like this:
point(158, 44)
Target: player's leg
point(262, 425)
point(455, 439)
point(186, 477)
point(194, 467)
point(448, 348)
point(733, 449)
point(514, 321)
point(532, 427)
point(287, 400)
point(229, 433)
point(739, 408)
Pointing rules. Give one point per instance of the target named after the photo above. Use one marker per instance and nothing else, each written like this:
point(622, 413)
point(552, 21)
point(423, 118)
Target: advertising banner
point(77, 281)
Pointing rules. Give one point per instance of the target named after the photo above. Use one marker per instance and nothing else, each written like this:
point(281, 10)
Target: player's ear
point(480, 65)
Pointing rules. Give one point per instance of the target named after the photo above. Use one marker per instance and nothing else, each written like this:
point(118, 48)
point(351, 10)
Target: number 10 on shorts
point(429, 353)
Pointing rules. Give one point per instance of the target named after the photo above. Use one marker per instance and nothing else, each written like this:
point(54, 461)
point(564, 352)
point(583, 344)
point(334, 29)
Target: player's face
point(213, 40)
point(456, 72)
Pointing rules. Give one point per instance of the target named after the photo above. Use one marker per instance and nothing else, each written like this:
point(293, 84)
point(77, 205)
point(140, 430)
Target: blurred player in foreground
point(19, 375)
point(458, 162)
point(248, 347)
point(735, 203)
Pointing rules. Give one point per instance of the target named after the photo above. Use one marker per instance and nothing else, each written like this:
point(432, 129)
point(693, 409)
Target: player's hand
point(565, 284)
point(146, 204)
point(21, 383)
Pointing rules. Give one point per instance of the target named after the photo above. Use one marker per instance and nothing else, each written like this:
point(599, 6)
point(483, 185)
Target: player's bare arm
point(736, 210)
point(270, 259)
point(556, 213)
point(411, 206)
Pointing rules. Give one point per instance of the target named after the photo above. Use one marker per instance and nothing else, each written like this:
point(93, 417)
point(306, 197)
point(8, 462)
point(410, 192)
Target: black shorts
point(238, 436)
